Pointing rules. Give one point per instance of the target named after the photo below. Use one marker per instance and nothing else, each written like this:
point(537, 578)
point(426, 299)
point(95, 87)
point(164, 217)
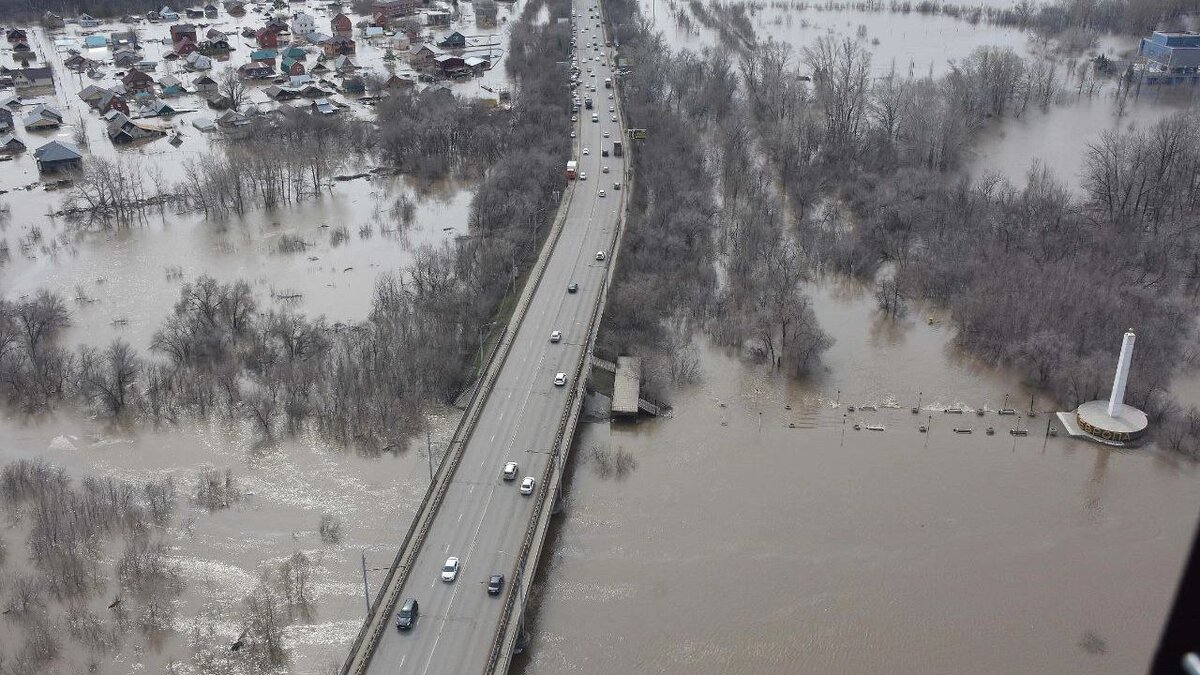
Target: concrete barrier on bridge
point(385, 601)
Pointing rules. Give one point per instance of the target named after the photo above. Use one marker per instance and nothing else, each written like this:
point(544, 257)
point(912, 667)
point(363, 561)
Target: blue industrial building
point(1171, 58)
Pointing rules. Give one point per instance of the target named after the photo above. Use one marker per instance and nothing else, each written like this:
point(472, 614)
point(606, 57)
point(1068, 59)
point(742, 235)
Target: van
point(407, 616)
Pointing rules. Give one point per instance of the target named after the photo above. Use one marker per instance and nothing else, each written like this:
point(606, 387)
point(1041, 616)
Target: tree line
point(1035, 277)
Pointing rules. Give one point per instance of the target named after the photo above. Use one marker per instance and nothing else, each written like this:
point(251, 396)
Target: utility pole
point(366, 590)
point(429, 453)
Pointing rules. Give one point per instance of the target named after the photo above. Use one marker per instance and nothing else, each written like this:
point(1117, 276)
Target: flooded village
point(772, 521)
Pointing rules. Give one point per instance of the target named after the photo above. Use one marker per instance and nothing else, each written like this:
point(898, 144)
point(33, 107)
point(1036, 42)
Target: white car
point(582, 175)
point(560, 379)
point(614, 118)
point(572, 134)
point(527, 485)
point(606, 134)
point(510, 471)
point(610, 97)
point(600, 254)
point(555, 336)
point(604, 169)
point(602, 193)
point(450, 569)
point(612, 108)
point(585, 151)
point(574, 118)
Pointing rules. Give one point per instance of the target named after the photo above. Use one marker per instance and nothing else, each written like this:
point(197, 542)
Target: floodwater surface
point(743, 544)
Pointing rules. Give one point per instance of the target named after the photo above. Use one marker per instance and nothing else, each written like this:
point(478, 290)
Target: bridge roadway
point(482, 519)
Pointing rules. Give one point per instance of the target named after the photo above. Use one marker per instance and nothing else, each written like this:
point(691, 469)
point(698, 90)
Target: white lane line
point(454, 593)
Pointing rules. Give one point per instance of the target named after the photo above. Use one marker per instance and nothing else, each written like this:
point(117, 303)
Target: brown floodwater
point(739, 544)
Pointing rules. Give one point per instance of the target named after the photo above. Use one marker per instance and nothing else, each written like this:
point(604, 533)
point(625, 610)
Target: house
point(197, 61)
point(204, 84)
point(11, 145)
point(12, 103)
point(138, 83)
point(437, 17)
point(6, 120)
point(42, 117)
point(398, 82)
point(267, 38)
point(303, 24)
point(383, 11)
point(485, 13)
point(122, 130)
point(16, 35)
point(477, 64)
point(294, 52)
point(32, 78)
point(218, 101)
point(215, 34)
point(52, 21)
point(171, 86)
point(344, 64)
point(58, 156)
point(232, 118)
point(423, 54)
point(194, 13)
point(88, 21)
point(318, 69)
point(123, 39)
point(257, 70)
point(80, 63)
point(94, 41)
point(184, 47)
point(278, 93)
point(277, 26)
point(92, 93)
point(338, 45)
point(146, 65)
point(1170, 58)
point(180, 31)
point(22, 51)
point(210, 11)
point(452, 40)
point(448, 62)
point(213, 47)
point(112, 102)
point(264, 55)
point(340, 24)
point(204, 124)
point(235, 8)
point(124, 58)
point(168, 14)
point(290, 66)
point(322, 106)
point(370, 32)
point(158, 108)
point(353, 85)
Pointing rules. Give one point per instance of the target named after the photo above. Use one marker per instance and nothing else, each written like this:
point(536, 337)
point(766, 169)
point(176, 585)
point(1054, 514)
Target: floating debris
point(922, 428)
point(875, 427)
point(953, 411)
point(991, 431)
point(1019, 432)
point(1006, 411)
point(962, 430)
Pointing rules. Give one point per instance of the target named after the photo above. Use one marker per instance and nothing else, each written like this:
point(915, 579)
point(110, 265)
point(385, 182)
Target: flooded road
point(741, 545)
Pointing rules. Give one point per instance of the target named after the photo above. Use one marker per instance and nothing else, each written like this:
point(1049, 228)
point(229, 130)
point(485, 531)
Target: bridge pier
point(557, 506)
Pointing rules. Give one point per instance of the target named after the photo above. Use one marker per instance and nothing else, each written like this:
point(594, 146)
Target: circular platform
point(1127, 425)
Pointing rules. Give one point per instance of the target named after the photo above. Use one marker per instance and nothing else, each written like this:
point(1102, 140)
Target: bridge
point(518, 414)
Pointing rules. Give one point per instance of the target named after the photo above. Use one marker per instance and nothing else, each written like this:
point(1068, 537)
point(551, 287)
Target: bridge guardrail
point(386, 600)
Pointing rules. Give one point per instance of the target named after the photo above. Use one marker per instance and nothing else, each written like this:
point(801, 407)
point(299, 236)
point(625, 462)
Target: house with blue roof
point(1170, 58)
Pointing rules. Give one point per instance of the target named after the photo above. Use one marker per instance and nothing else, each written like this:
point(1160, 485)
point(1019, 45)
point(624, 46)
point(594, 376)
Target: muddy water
point(1058, 137)
point(131, 277)
point(742, 545)
point(220, 555)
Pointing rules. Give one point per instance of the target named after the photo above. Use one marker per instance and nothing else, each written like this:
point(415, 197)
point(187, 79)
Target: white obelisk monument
point(1117, 398)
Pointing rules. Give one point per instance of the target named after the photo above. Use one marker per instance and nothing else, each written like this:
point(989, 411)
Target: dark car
point(407, 616)
point(495, 584)
point(573, 287)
